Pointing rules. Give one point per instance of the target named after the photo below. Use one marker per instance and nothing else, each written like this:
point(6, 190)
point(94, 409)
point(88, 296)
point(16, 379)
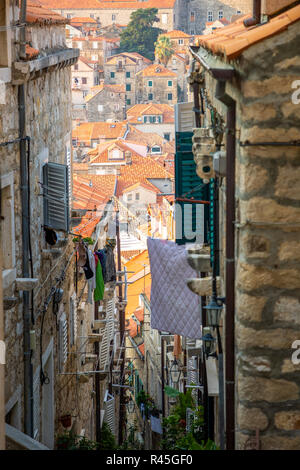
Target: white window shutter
point(107, 336)
point(63, 341)
point(36, 405)
point(184, 117)
point(192, 373)
point(73, 321)
point(109, 411)
point(56, 196)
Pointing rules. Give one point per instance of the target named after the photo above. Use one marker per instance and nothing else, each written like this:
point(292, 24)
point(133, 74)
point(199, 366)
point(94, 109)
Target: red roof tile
point(233, 39)
point(37, 13)
point(157, 70)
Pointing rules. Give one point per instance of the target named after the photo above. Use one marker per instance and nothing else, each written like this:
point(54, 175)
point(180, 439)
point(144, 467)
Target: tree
point(163, 49)
point(140, 34)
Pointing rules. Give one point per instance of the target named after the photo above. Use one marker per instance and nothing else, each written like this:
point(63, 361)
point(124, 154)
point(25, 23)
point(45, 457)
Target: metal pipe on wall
point(230, 103)
point(24, 183)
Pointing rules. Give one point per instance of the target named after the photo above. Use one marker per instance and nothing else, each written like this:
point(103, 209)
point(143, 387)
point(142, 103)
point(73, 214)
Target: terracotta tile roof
point(140, 171)
point(87, 226)
point(130, 58)
point(233, 39)
point(131, 327)
point(101, 153)
point(81, 20)
point(88, 131)
point(31, 52)
point(107, 4)
point(148, 138)
point(100, 88)
point(141, 347)
point(37, 13)
point(86, 197)
point(157, 70)
point(140, 110)
point(176, 34)
point(128, 254)
point(105, 184)
point(139, 314)
point(80, 167)
point(86, 61)
point(71, 4)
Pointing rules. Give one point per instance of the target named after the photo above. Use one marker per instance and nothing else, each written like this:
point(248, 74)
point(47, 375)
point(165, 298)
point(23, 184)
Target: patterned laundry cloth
point(174, 308)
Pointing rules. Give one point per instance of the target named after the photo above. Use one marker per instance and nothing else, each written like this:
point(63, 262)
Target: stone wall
point(113, 106)
point(160, 89)
point(267, 242)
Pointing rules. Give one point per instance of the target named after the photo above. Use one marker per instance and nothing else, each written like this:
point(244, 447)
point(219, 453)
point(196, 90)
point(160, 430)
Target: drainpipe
point(256, 13)
point(230, 103)
point(28, 372)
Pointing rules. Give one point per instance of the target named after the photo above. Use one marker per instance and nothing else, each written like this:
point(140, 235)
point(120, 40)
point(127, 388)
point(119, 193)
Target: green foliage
point(69, 441)
point(171, 392)
point(163, 49)
point(107, 438)
point(87, 240)
point(131, 443)
point(140, 34)
point(145, 399)
point(176, 436)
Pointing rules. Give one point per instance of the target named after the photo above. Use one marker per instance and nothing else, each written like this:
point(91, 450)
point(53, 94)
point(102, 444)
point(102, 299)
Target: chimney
point(128, 158)
point(256, 13)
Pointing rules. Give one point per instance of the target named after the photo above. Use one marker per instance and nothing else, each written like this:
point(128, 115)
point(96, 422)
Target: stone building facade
point(41, 330)
point(196, 13)
point(156, 84)
point(121, 69)
point(110, 12)
point(95, 49)
point(266, 222)
point(107, 104)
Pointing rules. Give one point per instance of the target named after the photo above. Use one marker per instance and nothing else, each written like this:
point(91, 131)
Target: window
point(150, 97)
point(209, 16)
point(84, 80)
point(116, 107)
point(192, 32)
point(180, 41)
point(94, 57)
point(112, 74)
point(129, 197)
point(100, 108)
point(170, 96)
point(220, 14)
point(238, 12)
point(156, 149)
point(76, 67)
point(145, 119)
point(128, 102)
point(192, 18)
point(56, 196)
point(164, 18)
point(128, 87)
point(167, 136)
point(170, 83)
point(95, 45)
point(69, 16)
point(137, 196)
point(127, 74)
point(113, 17)
point(92, 15)
point(150, 83)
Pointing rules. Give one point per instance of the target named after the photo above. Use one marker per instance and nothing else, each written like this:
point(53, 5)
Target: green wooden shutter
point(186, 179)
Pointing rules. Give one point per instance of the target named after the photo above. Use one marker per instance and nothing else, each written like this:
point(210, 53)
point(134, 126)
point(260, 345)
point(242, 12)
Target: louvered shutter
point(191, 219)
point(56, 196)
point(109, 411)
point(193, 374)
point(73, 321)
point(184, 117)
point(63, 341)
point(107, 336)
point(36, 405)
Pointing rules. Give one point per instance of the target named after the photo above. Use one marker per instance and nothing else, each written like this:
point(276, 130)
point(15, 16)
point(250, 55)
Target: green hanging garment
point(99, 291)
